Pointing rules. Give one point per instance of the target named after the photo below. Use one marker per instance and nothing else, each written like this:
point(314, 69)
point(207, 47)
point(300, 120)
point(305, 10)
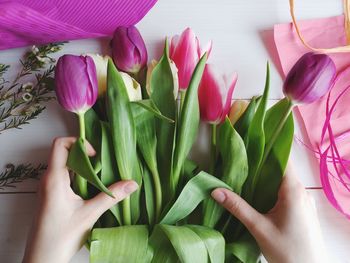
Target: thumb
point(239, 208)
point(96, 206)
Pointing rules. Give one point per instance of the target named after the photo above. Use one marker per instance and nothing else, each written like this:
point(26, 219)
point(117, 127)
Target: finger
point(239, 208)
point(290, 185)
point(96, 206)
point(60, 150)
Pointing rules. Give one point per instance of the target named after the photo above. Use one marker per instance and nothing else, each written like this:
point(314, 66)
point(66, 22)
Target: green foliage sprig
point(22, 102)
point(16, 174)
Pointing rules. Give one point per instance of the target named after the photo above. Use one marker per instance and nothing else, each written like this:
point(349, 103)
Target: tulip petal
point(139, 45)
point(209, 94)
point(207, 49)
point(76, 83)
point(91, 93)
point(173, 43)
point(185, 57)
point(228, 96)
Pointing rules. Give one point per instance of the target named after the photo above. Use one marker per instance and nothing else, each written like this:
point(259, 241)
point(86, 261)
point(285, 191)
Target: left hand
point(63, 220)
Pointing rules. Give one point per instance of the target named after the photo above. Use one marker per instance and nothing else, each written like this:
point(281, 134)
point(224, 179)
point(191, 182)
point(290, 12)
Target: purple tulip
point(129, 49)
point(76, 83)
point(311, 78)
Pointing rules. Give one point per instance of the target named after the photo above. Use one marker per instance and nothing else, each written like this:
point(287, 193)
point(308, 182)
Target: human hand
point(289, 232)
point(64, 220)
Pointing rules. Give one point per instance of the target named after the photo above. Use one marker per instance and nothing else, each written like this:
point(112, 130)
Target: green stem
point(79, 183)
point(209, 204)
point(182, 99)
point(158, 190)
point(213, 152)
point(82, 125)
point(126, 211)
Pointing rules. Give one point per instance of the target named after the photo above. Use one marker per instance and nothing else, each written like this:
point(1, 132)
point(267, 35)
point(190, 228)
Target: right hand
point(289, 232)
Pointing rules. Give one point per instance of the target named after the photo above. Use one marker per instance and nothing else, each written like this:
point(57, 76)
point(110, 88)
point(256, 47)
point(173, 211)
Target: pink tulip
point(215, 95)
point(185, 51)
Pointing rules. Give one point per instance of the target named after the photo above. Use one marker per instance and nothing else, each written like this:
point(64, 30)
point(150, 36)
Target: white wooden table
point(241, 30)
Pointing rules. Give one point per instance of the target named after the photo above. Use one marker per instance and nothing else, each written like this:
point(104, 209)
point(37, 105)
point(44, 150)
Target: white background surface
point(240, 31)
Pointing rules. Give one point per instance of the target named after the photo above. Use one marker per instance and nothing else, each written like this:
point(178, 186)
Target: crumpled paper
point(26, 22)
point(321, 33)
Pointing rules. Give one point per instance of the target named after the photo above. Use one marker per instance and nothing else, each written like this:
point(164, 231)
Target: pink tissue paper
point(322, 33)
point(26, 22)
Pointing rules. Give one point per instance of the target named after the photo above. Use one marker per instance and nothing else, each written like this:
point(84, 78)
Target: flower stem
point(213, 149)
point(126, 211)
point(79, 183)
point(82, 126)
point(158, 193)
point(208, 204)
point(182, 99)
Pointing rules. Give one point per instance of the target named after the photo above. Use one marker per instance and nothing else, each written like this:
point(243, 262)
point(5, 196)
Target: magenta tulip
point(76, 83)
point(129, 49)
point(310, 78)
point(215, 95)
point(185, 51)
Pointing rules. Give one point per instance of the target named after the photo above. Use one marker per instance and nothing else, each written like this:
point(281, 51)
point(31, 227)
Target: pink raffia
point(335, 160)
point(334, 168)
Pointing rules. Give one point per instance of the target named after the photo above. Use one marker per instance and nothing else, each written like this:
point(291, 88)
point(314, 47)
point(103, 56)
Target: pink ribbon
point(26, 22)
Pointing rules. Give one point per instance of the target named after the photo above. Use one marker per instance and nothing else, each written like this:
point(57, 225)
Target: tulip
point(132, 87)
point(173, 69)
point(215, 95)
point(101, 63)
point(310, 78)
point(76, 83)
point(237, 110)
point(185, 51)
point(129, 49)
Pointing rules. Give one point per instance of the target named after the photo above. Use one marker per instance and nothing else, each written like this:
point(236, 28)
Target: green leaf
point(244, 250)
point(244, 121)
point(109, 171)
point(188, 245)
point(163, 251)
point(273, 168)
point(162, 94)
point(147, 144)
point(119, 244)
point(189, 123)
point(213, 240)
point(151, 107)
point(78, 161)
point(256, 141)
point(124, 138)
point(195, 191)
point(234, 168)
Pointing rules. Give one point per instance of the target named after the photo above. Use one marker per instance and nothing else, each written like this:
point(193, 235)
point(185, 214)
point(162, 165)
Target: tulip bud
point(101, 63)
point(310, 78)
point(173, 69)
point(132, 87)
point(185, 51)
point(76, 83)
point(237, 109)
point(215, 95)
point(129, 50)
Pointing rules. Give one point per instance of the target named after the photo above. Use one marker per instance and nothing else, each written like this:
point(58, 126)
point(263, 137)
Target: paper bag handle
point(340, 49)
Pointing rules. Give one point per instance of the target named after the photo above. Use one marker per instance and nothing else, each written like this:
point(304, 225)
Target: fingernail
point(218, 195)
point(130, 187)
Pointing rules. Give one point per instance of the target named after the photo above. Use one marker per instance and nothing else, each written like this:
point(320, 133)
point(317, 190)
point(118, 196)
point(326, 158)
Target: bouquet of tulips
point(131, 116)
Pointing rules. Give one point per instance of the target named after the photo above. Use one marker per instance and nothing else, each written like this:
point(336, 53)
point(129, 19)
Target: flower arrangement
point(141, 132)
